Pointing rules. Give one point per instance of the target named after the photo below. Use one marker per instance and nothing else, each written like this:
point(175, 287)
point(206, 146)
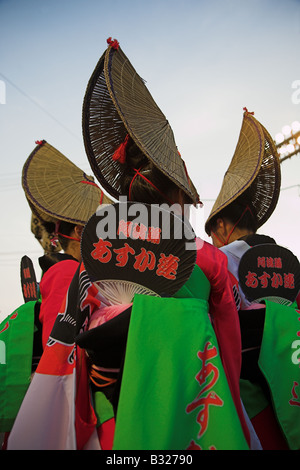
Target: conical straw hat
point(255, 165)
point(117, 102)
point(56, 189)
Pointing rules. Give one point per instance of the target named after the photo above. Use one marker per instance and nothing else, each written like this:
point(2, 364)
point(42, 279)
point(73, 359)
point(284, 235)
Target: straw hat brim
point(255, 165)
point(57, 189)
point(116, 103)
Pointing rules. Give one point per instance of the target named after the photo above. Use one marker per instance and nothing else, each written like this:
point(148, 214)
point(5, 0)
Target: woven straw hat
point(117, 102)
point(56, 189)
point(255, 165)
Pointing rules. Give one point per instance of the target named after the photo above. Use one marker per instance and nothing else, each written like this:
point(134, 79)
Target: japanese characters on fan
point(57, 227)
point(234, 231)
point(58, 230)
point(150, 186)
point(132, 151)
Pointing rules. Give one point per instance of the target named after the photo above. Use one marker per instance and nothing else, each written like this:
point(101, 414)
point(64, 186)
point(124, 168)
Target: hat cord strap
point(101, 198)
point(67, 236)
point(134, 176)
point(89, 182)
point(54, 241)
point(218, 238)
point(247, 208)
point(148, 181)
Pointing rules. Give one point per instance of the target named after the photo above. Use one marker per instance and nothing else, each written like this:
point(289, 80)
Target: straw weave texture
point(117, 102)
point(57, 188)
point(255, 165)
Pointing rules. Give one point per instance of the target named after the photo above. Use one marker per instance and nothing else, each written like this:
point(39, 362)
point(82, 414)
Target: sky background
point(203, 61)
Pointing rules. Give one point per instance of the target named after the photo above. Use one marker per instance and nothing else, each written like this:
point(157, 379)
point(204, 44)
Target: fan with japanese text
point(28, 280)
point(134, 248)
point(270, 272)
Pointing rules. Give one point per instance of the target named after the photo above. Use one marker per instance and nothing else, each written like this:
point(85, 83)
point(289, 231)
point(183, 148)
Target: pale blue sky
point(203, 60)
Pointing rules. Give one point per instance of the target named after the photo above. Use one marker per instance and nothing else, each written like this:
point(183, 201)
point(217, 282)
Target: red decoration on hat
point(54, 241)
point(39, 142)
point(120, 154)
point(113, 43)
point(248, 112)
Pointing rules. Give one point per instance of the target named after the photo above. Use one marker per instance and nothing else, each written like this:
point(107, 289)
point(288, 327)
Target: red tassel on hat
point(39, 142)
point(248, 112)
point(120, 154)
point(113, 43)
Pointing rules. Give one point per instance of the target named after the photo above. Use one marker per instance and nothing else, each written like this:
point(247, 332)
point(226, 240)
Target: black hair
point(49, 226)
point(65, 228)
point(140, 189)
point(243, 209)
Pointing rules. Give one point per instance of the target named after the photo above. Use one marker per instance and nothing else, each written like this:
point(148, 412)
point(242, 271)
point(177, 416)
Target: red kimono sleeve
point(53, 287)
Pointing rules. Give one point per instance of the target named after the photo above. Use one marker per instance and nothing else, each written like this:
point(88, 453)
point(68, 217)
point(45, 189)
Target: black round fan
point(271, 272)
point(130, 248)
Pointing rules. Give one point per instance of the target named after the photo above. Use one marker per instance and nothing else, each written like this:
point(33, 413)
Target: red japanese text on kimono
point(165, 266)
point(7, 323)
point(207, 377)
point(295, 400)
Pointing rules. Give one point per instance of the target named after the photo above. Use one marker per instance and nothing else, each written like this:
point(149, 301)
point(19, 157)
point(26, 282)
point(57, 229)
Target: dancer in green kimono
point(247, 198)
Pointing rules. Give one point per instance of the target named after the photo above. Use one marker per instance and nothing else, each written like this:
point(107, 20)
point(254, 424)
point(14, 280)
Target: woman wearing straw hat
point(247, 198)
point(131, 149)
point(63, 197)
point(140, 160)
point(248, 195)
